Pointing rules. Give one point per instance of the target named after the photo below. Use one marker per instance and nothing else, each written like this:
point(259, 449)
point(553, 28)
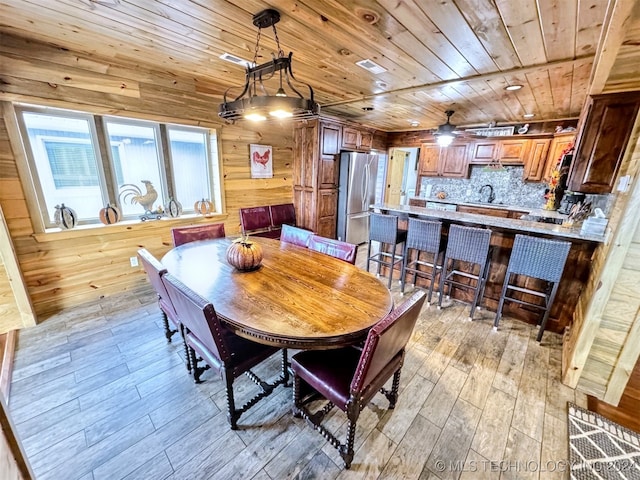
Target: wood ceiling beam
point(475, 78)
point(617, 18)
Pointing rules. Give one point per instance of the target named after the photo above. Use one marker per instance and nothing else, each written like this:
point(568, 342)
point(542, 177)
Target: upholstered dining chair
point(155, 270)
point(283, 214)
point(295, 235)
point(336, 248)
point(211, 342)
point(349, 377)
point(192, 233)
point(257, 222)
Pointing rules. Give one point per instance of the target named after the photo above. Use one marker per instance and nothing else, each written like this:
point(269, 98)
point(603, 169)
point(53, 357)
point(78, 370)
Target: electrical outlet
point(133, 261)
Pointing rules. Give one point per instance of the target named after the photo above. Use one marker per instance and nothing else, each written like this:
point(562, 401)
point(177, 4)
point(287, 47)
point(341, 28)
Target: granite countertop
point(520, 226)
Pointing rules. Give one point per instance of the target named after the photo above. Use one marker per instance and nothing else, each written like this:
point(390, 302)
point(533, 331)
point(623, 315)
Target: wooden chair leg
point(168, 333)
point(346, 449)
point(232, 413)
point(187, 357)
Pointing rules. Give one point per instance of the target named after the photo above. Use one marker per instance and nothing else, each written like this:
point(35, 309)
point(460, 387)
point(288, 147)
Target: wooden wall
point(603, 344)
point(68, 268)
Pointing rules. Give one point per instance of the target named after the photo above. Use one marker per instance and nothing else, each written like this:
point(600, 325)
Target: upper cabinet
point(558, 145)
point(601, 142)
point(356, 139)
point(508, 151)
point(536, 159)
point(484, 151)
point(437, 161)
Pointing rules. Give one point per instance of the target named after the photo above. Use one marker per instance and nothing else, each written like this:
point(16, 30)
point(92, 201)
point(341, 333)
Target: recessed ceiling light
point(367, 109)
point(513, 87)
point(414, 123)
point(529, 115)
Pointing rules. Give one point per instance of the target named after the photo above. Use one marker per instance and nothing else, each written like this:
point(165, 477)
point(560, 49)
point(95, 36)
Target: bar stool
point(536, 258)
point(466, 244)
point(424, 237)
point(384, 229)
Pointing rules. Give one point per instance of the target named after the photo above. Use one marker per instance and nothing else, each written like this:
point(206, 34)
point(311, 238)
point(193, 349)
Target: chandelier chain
point(255, 54)
point(275, 34)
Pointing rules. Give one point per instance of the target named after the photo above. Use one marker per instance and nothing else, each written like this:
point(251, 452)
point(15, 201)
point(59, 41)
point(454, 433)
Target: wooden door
point(327, 213)
point(429, 157)
point(602, 141)
point(365, 141)
point(395, 172)
point(513, 152)
point(536, 161)
point(454, 161)
point(558, 145)
point(483, 151)
point(349, 138)
point(330, 139)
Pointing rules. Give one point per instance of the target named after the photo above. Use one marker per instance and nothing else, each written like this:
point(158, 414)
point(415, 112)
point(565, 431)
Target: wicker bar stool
point(466, 244)
point(536, 258)
point(384, 229)
point(424, 237)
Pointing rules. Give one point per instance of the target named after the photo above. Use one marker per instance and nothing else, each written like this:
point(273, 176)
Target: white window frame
point(106, 173)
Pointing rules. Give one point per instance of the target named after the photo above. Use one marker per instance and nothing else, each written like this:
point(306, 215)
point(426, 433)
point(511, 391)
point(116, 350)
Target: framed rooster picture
point(261, 161)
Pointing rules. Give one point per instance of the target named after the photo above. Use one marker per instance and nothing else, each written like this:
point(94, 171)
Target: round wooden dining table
point(297, 298)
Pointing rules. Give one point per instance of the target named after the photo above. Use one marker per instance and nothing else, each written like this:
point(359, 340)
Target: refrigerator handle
point(365, 188)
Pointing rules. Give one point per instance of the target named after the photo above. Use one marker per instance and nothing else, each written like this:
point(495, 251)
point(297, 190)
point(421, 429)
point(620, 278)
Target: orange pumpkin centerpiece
point(244, 254)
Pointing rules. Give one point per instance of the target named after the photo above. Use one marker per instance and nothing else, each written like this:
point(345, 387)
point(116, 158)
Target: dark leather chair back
point(198, 316)
point(155, 271)
point(342, 250)
point(192, 233)
point(295, 235)
point(386, 340)
point(283, 214)
point(255, 218)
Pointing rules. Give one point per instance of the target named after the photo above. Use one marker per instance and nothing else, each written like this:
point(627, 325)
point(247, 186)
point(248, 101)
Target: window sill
point(55, 234)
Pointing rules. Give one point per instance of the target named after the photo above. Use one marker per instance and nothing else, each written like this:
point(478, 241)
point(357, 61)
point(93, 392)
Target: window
point(146, 164)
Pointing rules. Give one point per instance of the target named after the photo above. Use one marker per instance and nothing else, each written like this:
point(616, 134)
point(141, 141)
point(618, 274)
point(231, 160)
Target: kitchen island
point(576, 270)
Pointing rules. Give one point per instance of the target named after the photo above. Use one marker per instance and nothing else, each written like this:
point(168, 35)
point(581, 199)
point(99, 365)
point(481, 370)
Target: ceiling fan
point(447, 132)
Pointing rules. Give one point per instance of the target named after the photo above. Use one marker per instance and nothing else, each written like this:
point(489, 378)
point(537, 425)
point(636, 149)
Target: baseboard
point(7, 350)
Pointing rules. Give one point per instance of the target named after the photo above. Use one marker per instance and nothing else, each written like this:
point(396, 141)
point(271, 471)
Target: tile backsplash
point(508, 187)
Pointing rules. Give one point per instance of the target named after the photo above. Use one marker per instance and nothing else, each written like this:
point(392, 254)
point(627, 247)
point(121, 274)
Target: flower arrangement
point(554, 192)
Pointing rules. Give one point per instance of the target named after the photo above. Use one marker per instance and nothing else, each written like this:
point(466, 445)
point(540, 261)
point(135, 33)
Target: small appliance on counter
point(569, 199)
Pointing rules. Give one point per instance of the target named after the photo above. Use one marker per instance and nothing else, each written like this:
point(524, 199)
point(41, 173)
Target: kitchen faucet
point(492, 195)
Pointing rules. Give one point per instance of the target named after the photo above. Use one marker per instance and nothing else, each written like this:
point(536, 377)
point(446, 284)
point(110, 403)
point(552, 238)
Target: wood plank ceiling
point(438, 55)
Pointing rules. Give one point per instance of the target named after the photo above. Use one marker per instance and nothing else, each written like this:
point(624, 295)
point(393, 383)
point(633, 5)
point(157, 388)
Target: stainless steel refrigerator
point(356, 191)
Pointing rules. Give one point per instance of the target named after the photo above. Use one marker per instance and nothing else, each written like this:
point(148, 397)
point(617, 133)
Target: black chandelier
point(255, 102)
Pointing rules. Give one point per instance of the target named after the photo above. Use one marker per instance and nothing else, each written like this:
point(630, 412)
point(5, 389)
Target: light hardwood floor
point(97, 393)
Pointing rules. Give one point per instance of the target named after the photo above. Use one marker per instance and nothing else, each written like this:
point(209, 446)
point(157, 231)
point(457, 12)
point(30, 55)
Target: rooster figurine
point(134, 195)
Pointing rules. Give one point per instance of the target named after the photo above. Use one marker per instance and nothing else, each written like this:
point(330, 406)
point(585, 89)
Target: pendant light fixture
point(444, 135)
point(255, 102)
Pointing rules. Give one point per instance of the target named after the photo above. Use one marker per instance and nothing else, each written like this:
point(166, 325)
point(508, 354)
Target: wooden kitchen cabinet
point(329, 161)
point(417, 202)
point(437, 161)
point(508, 151)
point(514, 152)
point(558, 145)
point(536, 160)
point(316, 157)
point(601, 142)
point(483, 151)
point(356, 139)
point(492, 212)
